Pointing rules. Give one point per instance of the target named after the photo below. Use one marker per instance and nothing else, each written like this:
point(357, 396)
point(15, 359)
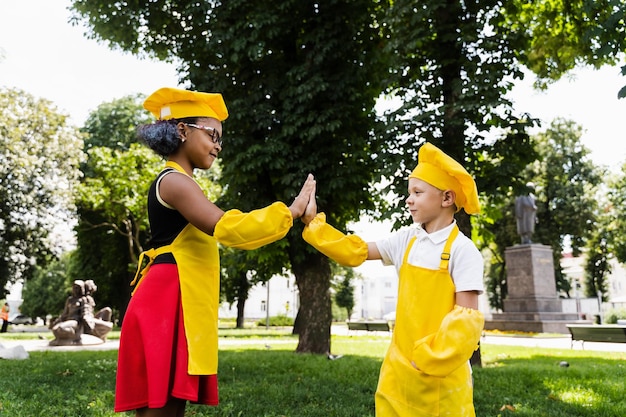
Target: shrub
point(278, 321)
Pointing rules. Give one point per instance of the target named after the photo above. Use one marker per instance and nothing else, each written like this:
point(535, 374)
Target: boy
point(426, 370)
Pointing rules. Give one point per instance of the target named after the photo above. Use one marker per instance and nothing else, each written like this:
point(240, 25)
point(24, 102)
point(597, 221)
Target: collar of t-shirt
point(426, 251)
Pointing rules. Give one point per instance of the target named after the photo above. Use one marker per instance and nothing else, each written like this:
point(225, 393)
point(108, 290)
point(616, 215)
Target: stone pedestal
point(532, 303)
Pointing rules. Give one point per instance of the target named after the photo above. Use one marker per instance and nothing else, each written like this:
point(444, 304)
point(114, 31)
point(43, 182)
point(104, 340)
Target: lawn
point(262, 377)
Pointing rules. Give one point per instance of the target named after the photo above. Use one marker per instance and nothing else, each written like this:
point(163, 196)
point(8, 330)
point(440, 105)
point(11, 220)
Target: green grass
point(261, 376)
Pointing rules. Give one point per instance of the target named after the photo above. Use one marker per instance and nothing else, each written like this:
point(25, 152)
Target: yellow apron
point(197, 258)
point(426, 296)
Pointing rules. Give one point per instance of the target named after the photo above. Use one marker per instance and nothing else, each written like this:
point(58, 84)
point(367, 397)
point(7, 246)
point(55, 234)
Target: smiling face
point(202, 141)
point(430, 206)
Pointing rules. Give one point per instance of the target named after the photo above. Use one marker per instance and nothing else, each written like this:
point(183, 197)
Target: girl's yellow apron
point(425, 296)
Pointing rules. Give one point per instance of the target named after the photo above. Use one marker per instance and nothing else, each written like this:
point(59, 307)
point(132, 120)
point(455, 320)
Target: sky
point(42, 54)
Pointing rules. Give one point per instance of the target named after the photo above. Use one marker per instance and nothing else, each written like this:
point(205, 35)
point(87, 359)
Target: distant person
point(4, 316)
point(426, 371)
point(168, 346)
point(525, 215)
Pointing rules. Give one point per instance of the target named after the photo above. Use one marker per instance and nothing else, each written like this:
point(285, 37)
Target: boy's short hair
point(444, 173)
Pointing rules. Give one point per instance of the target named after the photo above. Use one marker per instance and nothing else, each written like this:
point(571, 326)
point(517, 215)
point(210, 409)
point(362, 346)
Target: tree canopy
point(39, 158)
point(301, 80)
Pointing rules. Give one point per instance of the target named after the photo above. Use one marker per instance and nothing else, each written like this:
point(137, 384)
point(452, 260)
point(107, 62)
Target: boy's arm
point(347, 250)
point(442, 352)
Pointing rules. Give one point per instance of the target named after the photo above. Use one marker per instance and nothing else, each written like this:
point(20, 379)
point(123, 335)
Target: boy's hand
point(302, 200)
point(311, 209)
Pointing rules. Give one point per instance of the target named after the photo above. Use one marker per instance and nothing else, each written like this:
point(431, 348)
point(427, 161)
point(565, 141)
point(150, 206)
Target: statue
point(78, 319)
point(98, 324)
point(525, 210)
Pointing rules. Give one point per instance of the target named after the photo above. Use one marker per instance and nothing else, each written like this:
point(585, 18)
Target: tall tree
point(565, 178)
point(301, 80)
point(39, 158)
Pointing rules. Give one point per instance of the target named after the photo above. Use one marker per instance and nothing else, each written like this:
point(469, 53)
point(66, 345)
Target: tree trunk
point(314, 316)
point(241, 304)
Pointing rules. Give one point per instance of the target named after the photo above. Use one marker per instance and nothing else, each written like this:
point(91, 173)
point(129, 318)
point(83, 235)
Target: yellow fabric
point(254, 229)
point(198, 263)
point(444, 173)
point(347, 250)
point(452, 345)
point(173, 103)
point(425, 298)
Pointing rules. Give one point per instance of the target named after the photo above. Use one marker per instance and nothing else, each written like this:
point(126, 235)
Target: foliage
point(241, 270)
point(565, 181)
point(344, 297)
point(113, 123)
point(565, 185)
point(302, 77)
point(454, 63)
point(615, 211)
point(558, 35)
point(39, 157)
point(615, 314)
point(46, 292)
point(276, 321)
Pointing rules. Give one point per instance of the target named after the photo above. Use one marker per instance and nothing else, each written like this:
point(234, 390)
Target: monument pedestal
point(532, 303)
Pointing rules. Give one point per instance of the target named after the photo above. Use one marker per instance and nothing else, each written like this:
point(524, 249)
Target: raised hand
point(302, 200)
point(311, 209)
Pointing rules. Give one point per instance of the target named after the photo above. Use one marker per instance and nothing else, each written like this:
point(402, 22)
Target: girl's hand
point(311, 209)
point(302, 200)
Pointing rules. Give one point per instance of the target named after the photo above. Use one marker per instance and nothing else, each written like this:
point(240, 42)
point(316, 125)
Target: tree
point(301, 81)
point(241, 270)
point(615, 211)
point(345, 294)
point(558, 35)
point(47, 291)
point(39, 158)
point(565, 178)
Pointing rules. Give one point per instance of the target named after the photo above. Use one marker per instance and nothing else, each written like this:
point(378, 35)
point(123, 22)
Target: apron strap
point(445, 255)
point(408, 249)
point(151, 254)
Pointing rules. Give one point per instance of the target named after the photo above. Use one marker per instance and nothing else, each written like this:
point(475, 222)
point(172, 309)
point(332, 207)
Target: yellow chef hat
point(443, 172)
point(173, 103)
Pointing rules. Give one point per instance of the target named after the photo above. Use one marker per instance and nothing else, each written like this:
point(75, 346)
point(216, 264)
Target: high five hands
point(303, 200)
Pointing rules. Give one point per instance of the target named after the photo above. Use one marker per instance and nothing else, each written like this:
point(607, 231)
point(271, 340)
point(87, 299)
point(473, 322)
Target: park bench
point(612, 333)
point(370, 326)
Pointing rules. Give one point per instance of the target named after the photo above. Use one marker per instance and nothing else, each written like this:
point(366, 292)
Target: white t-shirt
point(466, 264)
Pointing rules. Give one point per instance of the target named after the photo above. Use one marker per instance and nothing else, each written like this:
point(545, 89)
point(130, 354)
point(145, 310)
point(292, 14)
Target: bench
point(612, 333)
point(370, 326)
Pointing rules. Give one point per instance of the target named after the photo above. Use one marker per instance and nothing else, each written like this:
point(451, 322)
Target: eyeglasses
point(215, 136)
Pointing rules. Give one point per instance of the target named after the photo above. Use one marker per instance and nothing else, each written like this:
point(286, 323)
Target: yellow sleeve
point(452, 345)
point(347, 250)
point(254, 229)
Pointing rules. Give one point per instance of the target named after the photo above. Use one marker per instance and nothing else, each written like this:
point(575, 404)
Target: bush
point(615, 314)
point(278, 321)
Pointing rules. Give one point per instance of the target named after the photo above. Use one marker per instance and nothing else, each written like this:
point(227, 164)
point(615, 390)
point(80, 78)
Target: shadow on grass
point(551, 385)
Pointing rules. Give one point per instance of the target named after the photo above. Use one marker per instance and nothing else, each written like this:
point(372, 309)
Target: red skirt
point(152, 358)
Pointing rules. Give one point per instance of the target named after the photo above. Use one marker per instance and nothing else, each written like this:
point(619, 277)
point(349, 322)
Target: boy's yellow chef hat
point(444, 173)
point(173, 103)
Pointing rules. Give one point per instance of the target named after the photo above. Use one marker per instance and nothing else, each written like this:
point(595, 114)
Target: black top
point(165, 223)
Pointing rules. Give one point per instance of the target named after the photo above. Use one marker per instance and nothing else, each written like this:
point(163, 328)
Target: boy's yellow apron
point(425, 297)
